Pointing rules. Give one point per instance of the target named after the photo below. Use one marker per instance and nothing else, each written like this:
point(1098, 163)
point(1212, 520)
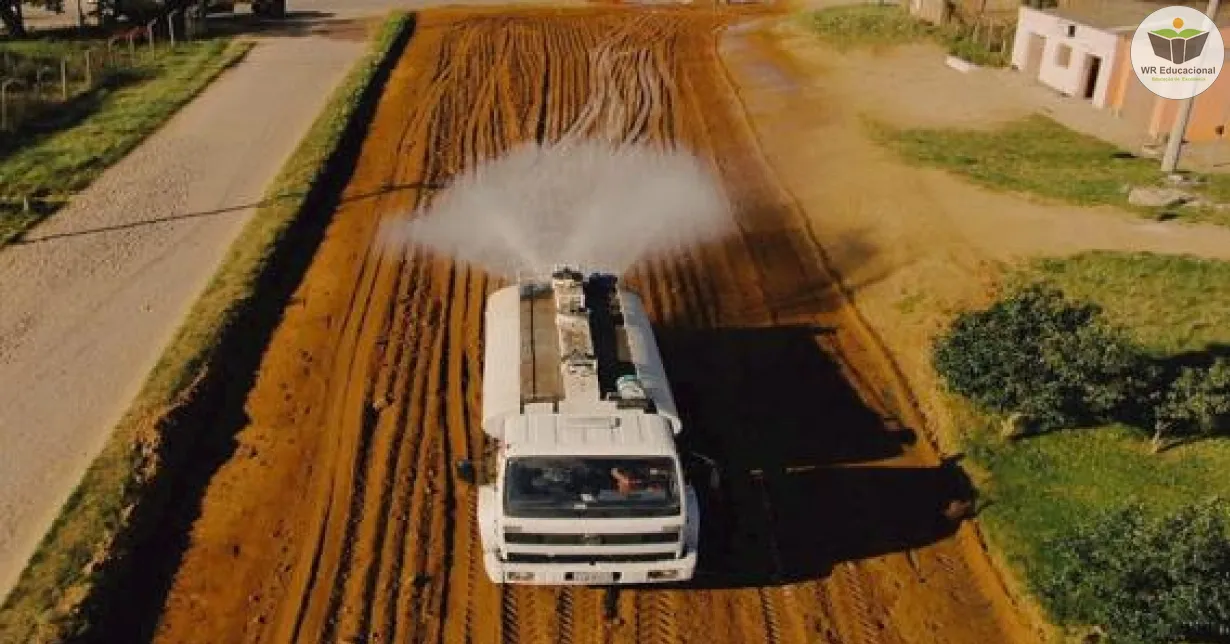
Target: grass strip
point(1039, 156)
point(879, 27)
point(1037, 487)
point(49, 167)
point(88, 546)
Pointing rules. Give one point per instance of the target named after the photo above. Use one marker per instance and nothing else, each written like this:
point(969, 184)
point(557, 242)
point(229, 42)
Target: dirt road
point(90, 297)
point(338, 518)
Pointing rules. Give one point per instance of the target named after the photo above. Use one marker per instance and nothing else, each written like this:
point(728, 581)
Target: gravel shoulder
point(92, 295)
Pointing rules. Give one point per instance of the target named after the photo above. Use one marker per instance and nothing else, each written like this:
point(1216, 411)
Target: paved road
point(87, 304)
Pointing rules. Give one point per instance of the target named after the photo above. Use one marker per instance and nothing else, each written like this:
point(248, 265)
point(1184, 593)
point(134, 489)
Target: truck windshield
point(553, 487)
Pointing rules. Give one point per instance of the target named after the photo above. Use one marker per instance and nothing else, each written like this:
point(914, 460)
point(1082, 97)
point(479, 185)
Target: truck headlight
point(663, 575)
point(519, 576)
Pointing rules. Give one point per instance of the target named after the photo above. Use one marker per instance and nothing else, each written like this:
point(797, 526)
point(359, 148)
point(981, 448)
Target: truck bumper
point(590, 574)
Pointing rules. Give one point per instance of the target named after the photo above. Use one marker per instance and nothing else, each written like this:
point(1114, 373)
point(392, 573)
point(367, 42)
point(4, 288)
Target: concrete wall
point(1084, 43)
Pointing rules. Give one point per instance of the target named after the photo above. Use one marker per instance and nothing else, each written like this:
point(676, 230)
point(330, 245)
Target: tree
point(1146, 579)
point(1197, 402)
point(1039, 354)
point(11, 16)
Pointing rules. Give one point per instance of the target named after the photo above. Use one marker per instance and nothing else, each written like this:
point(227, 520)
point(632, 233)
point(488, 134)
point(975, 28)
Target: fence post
point(149, 30)
point(64, 78)
point(38, 81)
point(89, 71)
point(171, 26)
point(4, 101)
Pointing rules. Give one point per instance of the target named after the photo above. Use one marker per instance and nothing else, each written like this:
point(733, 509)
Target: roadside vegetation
point(64, 149)
point(87, 545)
point(876, 27)
point(1039, 156)
point(1095, 396)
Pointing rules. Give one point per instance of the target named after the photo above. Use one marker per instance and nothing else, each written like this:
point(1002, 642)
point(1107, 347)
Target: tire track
point(391, 551)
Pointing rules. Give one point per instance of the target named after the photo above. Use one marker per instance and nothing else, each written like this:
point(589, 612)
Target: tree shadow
point(197, 438)
point(1202, 359)
point(795, 286)
point(296, 24)
point(29, 238)
point(807, 474)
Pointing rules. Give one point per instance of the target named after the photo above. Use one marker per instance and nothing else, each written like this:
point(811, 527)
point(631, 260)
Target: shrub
point(857, 26)
point(1197, 402)
point(965, 48)
point(1146, 580)
point(1042, 355)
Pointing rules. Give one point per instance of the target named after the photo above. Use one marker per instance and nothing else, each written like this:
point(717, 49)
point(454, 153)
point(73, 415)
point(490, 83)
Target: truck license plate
point(593, 577)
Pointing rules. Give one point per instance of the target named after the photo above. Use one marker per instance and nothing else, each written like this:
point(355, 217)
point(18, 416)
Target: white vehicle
point(587, 486)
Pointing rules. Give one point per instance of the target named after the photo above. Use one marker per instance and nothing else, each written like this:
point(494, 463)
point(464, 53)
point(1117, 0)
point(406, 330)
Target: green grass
point(1035, 155)
point(1035, 487)
point(47, 51)
point(44, 606)
point(1171, 304)
point(1039, 156)
point(51, 167)
point(866, 26)
point(878, 27)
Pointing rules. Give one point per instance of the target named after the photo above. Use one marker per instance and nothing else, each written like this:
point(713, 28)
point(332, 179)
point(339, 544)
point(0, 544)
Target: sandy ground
point(914, 244)
point(93, 294)
point(337, 518)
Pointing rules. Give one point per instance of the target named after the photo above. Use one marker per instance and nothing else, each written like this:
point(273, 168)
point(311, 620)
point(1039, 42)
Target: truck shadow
point(811, 476)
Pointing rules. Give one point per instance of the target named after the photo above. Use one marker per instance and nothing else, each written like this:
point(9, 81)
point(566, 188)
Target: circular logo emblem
point(1177, 52)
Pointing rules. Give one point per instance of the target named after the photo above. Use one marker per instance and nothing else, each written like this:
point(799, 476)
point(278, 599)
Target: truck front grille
point(524, 557)
point(548, 539)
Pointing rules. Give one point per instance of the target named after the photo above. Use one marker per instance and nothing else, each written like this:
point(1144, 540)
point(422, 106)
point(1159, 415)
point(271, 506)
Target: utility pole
point(1170, 160)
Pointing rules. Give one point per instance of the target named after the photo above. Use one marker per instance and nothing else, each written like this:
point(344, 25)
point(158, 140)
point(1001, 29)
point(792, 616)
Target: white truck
point(586, 485)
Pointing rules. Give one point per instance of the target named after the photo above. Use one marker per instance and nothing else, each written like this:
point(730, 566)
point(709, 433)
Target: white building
point(1066, 52)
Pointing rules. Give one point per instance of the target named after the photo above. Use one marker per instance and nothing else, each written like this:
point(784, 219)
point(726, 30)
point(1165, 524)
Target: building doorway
point(1033, 55)
point(1092, 68)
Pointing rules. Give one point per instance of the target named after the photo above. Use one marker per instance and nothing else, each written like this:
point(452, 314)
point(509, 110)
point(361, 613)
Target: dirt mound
point(339, 519)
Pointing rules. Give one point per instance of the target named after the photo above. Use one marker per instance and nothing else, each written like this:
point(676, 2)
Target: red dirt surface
point(338, 519)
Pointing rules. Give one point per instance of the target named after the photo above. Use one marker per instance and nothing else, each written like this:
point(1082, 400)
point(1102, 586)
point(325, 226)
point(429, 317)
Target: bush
point(863, 26)
point(966, 49)
point(1197, 402)
point(1145, 580)
point(1044, 356)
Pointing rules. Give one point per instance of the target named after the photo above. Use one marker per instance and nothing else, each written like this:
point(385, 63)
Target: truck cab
point(586, 485)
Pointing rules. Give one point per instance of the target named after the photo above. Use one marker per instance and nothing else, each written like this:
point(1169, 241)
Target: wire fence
point(41, 82)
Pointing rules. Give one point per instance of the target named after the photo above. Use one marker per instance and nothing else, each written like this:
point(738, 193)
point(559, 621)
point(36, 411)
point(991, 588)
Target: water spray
point(605, 206)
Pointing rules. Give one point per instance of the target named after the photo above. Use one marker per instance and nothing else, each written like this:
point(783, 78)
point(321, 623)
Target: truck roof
point(569, 435)
point(571, 345)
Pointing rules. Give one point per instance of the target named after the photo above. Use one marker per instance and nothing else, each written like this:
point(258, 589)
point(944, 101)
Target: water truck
point(584, 483)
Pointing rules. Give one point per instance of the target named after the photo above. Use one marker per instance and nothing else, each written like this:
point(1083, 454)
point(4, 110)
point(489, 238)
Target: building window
point(1063, 55)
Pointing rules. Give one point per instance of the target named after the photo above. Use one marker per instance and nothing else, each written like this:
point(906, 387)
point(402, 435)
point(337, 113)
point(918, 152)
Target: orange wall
point(1210, 109)
point(1121, 73)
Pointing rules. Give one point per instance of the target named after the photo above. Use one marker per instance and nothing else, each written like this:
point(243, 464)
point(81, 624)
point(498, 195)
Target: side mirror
point(703, 467)
point(465, 471)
